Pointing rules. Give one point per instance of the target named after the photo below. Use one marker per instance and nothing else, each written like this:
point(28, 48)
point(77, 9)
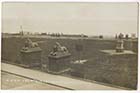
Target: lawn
point(98, 68)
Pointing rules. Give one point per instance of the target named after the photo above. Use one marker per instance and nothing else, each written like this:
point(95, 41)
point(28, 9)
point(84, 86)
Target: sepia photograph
point(69, 45)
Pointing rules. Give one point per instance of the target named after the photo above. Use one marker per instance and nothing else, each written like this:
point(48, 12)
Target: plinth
point(59, 63)
point(118, 68)
point(31, 57)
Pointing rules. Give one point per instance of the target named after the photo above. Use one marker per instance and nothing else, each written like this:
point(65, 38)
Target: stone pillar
point(59, 60)
point(30, 55)
point(117, 68)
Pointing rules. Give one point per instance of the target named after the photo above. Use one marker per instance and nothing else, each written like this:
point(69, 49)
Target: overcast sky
point(71, 18)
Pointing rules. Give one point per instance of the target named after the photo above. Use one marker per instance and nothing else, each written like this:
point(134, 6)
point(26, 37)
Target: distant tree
point(121, 36)
point(85, 36)
point(43, 33)
point(52, 34)
point(101, 36)
point(58, 34)
point(126, 36)
point(133, 35)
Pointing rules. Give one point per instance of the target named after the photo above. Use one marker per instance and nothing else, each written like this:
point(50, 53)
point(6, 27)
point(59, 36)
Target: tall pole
point(21, 30)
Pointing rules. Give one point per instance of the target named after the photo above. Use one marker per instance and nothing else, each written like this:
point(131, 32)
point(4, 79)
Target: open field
point(116, 72)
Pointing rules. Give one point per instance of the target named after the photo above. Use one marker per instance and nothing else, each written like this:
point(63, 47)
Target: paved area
point(57, 80)
point(11, 81)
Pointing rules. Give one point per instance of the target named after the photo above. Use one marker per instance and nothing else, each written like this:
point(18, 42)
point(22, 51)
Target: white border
point(69, 0)
point(88, 91)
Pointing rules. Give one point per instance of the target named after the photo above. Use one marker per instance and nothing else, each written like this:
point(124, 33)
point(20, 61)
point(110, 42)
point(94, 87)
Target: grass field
point(116, 72)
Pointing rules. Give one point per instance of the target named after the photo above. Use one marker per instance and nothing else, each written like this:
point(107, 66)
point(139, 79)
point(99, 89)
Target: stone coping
point(36, 49)
point(113, 52)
